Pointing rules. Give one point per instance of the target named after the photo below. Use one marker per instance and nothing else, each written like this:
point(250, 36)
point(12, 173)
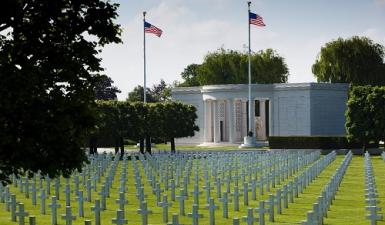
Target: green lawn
point(348, 207)
point(167, 147)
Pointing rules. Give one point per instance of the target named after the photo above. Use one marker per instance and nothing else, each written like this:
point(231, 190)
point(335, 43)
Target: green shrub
point(313, 142)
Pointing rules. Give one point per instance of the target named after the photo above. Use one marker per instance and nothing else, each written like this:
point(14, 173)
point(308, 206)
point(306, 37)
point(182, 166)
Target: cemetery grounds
point(299, 187)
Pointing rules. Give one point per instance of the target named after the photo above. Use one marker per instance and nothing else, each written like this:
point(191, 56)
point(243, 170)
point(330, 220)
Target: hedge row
point(313, 142)
point(136, 121)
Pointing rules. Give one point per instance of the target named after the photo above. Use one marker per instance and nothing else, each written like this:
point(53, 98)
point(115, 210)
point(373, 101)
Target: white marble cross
point(195, 215)
point(165, 204)
point(43, 196)
point(144, 212)
point(250, 219)
point(121, 201)
point(261, 212)
point(181, 198)
point(96, 208)
point(54, 207)
point(119, 220)
point(21, 214)
point(212, 207)
point(68, 217)
point(80, 199)
point(174, 220)
point(13, 204)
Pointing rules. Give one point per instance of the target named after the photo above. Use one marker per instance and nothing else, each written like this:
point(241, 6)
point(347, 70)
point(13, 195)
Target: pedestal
point(248, 142)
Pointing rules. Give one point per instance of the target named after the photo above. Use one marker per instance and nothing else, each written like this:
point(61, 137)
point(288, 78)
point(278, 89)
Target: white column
point(252, 117)
point(216, 122)
point(262, 112)
point(230, 120)
point(244, 117)
point(205, 121)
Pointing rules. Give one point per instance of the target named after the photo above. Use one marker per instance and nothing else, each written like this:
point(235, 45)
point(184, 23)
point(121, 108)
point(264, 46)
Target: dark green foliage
point(136, 121)
point(104, 89)
point(357, 60)
point(231, 67)
point(178, 120)
point(48, 72)
point(137, 95)
point(158, 93)
point(161, 91)
point(313, 142)
point(190, 76)
point(365, 118)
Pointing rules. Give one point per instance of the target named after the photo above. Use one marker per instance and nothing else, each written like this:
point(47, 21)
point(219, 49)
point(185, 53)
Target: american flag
point(149, 28)
point(256, 20)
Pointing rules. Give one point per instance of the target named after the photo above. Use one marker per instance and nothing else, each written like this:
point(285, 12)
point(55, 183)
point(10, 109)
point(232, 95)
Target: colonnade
point(225, 120)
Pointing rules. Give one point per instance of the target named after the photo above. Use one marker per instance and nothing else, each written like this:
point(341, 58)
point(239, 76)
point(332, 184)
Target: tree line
point(231, 67)
point(138, 121)
point(355, 60)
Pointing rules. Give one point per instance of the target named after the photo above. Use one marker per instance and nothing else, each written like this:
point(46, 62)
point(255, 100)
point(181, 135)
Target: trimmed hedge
point(314, 142)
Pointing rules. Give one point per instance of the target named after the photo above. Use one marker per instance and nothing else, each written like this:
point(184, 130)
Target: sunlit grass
point(348, 208)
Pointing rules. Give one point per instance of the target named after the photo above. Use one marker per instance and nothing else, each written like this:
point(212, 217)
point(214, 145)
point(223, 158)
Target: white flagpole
point(144, 58)
point(248, 17)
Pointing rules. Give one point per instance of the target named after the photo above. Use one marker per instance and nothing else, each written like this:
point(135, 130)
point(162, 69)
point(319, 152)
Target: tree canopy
point(138, 120)
point(48, 68)
point(104, 90)
point(357, 60)
point(231, 67)
point(365, 116)
point(158, 93)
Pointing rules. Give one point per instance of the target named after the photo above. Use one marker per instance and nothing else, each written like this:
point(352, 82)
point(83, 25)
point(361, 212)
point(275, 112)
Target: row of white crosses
point(301, 182)
point(274, 203)
point(371, 192)
point(184, 162)
point(320, 208)
point(97, 170)
point(31, 188)
point(167, 172)
point(305, 178)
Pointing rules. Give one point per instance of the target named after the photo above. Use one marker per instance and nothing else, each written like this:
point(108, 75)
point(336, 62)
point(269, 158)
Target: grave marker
point(195, 215)
point(21, 214)
point(68, 217)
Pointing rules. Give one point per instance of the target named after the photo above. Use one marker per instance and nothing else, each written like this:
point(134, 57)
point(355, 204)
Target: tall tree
point(178, 120)
point(158, 93)
point(161, 92)
point(104, 90)
point(48, 70)
point(357, 60)
point(359, 116)
point(190, 76)
point(137, 95)
point(231, 67)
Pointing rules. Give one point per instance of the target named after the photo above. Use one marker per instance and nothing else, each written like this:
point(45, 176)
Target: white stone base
point(248, 142)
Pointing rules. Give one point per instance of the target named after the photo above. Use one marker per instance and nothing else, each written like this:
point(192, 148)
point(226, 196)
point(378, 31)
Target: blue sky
point(296, 29)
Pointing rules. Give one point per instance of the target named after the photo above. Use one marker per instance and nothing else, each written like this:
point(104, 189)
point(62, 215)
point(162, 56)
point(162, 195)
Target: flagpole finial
point(249, 3)
point(144, 13)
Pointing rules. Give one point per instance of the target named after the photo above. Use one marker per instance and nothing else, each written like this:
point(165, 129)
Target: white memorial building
point(290, 109)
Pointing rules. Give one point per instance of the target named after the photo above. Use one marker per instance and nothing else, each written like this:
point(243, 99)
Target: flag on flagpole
point(149, 28)
point(256, 20)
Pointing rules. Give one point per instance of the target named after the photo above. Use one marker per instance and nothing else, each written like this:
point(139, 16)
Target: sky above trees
point(295, 29)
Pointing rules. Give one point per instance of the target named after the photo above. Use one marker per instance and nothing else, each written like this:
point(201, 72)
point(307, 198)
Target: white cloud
point(380, 2)
point(375, 34)
point(184, 41)
point(189, 33)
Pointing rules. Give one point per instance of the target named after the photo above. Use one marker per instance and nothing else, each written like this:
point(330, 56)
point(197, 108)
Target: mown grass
point(167, 147)
point(348, 207)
